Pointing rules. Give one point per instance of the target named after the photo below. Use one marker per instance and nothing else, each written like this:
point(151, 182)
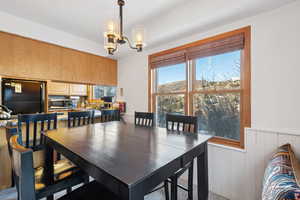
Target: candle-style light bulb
point(138, 35)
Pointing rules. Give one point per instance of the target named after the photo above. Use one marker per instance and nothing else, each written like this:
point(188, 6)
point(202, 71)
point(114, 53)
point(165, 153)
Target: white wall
point(274, 87)
point(26, 28)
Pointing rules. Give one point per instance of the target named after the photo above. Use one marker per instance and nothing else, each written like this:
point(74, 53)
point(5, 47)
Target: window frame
point(245, 85)
point(154, 93)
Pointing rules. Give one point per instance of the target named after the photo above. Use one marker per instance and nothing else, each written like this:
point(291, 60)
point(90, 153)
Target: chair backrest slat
point(183, 123)
point(34, 133)
point(144, 119)
point(27, 133)
point(82, 118)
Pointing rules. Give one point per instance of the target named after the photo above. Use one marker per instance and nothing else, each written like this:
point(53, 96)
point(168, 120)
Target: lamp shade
point(111, 28)
point(138, 35)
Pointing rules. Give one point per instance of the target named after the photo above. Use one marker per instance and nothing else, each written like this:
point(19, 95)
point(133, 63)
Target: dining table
point(129, 160)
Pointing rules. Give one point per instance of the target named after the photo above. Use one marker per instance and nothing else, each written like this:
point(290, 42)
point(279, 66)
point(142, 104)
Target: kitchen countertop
point(14, 120)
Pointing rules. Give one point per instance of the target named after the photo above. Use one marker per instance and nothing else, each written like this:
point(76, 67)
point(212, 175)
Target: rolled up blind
point(168, 59)
point(231, 43)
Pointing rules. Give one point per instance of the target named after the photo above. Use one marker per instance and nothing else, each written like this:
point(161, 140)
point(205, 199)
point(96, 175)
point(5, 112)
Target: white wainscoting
point(237, 174)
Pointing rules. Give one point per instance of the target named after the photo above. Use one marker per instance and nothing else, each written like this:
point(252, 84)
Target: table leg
point(202, 173)
point(174, 188)
point(48, 167)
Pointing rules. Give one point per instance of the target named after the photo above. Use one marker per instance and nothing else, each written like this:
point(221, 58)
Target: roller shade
point(228, 44)
point(168, 59)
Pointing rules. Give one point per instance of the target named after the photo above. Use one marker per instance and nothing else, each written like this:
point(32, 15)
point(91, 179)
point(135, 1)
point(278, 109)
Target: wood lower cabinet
point(78, 90)
point(55, 88)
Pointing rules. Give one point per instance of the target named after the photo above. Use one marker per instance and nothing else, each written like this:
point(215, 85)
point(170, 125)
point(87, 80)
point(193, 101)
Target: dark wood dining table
point(130, 160)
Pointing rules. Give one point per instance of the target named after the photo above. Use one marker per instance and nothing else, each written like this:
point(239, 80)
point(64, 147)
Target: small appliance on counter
point(107, 102)
point(5, 113)
point(23, 96)
point(59, 103)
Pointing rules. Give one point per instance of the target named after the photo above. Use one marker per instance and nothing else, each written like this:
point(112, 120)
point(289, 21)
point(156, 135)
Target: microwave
point(60, 104)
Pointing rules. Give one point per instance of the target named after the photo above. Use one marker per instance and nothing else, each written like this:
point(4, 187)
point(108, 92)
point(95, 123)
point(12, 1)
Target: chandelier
point(114, 34)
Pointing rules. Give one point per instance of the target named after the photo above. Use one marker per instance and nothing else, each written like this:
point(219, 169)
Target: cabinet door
point(103, 71)
point(78, 89)
point(55, 88)
point(31, 58)
point(74, 66)
point(6, 54)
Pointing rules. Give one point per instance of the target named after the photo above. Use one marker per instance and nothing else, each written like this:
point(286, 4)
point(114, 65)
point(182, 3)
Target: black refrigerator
point(23, 96)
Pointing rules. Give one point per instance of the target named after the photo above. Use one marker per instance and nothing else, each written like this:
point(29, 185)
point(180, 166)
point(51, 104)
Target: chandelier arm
point(129, 44)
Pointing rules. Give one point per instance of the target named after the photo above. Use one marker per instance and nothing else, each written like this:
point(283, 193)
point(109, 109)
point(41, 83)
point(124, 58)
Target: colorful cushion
point(279, 179)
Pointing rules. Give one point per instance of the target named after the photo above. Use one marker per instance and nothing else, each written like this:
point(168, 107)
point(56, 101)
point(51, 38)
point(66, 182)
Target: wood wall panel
point(26, 58)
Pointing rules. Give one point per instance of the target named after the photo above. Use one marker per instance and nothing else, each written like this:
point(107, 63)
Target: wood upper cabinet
point(104, 71)
point(55, 88)
point(66, 89)
point(26, 58)
point(78, 90)
point(6, 52)
point(31, 58)
point(75, 66)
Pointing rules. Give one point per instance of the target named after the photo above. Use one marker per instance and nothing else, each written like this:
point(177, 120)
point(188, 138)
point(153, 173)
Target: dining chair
point(144, 119)
point(182, 123)
point(30, 183)
point(90, 191)
point(110, 115)
point(82, 118)
point(34, 138)
point(189, 124)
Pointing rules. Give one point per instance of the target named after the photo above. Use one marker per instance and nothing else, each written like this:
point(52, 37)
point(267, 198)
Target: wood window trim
point(245, 112)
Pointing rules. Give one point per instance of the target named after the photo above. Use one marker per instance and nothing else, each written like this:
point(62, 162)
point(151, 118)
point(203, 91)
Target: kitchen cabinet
point(26, 58)
point(78, 90)
point(6, 50)
point(55, 88)
point(66, 89)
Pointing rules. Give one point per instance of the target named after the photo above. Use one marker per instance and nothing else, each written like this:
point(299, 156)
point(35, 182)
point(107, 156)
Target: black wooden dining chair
point(34, 138)
point(110, 115)
point(30, 182)
point(81, 118)
point(185, 124)
point(90, 191)
point(182, 123)
point(144, 119)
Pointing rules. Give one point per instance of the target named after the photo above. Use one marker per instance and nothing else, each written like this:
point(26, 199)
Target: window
point(209, 79)
point(170, 90)
point(100, 91)
point(216, 94)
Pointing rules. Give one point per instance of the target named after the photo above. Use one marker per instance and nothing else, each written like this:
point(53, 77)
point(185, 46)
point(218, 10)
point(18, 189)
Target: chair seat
point(90, 191)
point(62, 169)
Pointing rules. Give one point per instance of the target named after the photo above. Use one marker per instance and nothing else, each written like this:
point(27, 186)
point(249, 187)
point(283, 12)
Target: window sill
point(222, 146)
point(231, 144)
